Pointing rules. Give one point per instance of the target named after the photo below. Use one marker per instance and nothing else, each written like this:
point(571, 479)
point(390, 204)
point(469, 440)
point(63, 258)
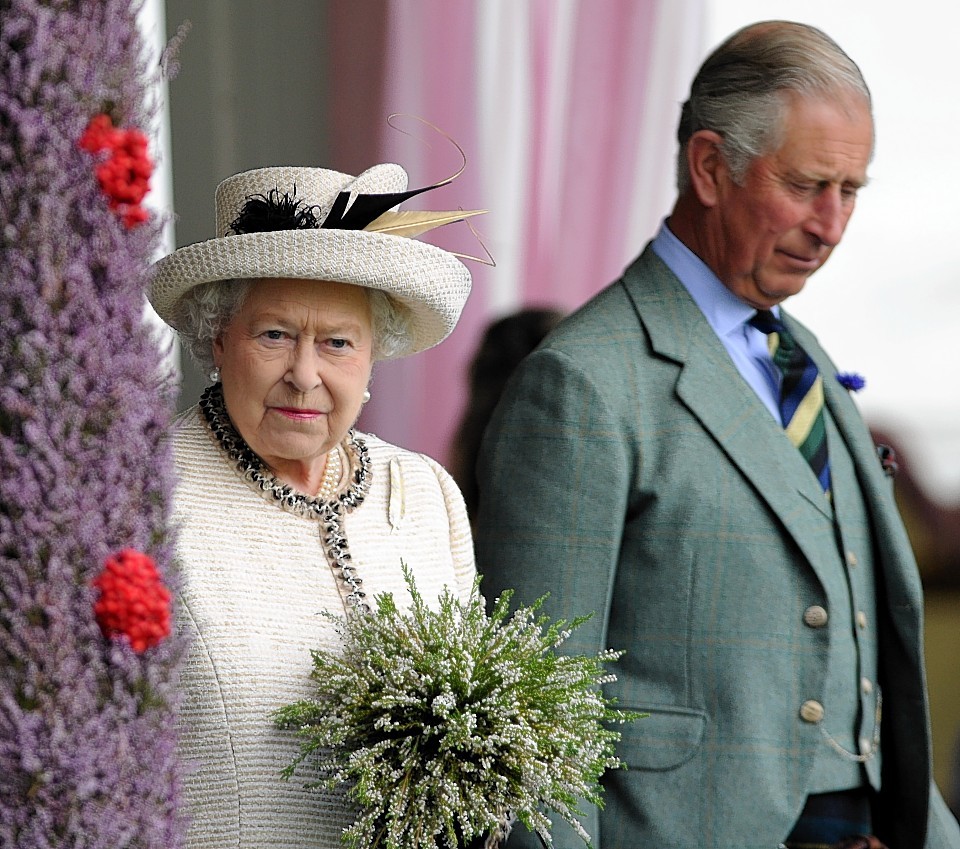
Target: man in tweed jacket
point(637, 467)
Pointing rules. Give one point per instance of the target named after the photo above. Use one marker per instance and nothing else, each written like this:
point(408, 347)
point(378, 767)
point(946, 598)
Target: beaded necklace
point(324, 508)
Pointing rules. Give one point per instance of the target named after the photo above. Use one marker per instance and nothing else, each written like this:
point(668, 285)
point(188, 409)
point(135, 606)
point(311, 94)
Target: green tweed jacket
point(631, 471)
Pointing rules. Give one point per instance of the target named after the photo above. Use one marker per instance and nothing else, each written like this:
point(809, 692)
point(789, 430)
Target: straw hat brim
point(430, 282)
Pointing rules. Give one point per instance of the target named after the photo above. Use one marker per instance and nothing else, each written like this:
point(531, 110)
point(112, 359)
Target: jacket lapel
point(710, 386)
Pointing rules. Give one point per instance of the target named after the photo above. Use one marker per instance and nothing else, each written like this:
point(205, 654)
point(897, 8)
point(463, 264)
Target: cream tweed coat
point(255, 579)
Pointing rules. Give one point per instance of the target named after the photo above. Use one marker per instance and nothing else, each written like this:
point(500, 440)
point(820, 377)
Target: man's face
point(778, 227)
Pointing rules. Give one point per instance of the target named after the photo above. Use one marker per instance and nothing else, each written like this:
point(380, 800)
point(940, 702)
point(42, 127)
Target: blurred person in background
point(505, 343)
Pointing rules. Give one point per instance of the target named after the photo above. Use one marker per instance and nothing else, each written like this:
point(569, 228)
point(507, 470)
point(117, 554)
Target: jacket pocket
point(667, 738)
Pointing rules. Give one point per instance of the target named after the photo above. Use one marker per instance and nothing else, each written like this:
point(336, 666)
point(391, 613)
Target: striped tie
point(801, 395)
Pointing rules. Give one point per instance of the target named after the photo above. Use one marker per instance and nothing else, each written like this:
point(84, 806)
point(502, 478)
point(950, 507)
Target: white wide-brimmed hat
point(361, 240)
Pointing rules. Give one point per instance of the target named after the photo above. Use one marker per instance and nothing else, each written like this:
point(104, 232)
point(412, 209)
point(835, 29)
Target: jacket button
point(815, 616)
point(866, 685)
point(811, 711)
point(861, 619)
point(851, 559)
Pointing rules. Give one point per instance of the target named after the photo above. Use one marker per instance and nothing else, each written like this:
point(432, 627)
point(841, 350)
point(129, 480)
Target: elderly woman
point(282, 510)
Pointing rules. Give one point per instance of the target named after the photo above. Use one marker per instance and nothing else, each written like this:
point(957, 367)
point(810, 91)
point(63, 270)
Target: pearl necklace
point(332, 472)
point(325, 508)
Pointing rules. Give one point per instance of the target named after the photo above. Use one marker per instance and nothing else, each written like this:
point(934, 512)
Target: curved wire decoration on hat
point(353, 211)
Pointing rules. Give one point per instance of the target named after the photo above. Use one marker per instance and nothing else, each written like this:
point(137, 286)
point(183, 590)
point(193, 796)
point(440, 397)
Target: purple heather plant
point(87, 725)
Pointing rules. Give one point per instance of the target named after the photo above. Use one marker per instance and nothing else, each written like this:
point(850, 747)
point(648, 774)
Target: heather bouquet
point(88, 664)
point(446, 723)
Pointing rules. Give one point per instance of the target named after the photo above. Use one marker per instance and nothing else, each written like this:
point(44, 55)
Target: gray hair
point(204, 312)
point(741, 89)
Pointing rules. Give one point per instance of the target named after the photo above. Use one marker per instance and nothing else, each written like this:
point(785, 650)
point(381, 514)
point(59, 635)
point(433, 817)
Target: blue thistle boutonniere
point(851, 381)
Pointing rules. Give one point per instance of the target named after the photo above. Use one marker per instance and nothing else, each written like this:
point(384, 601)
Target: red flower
point(99, 135)
point(134, 216)
point(125, 175)
point(133, 600)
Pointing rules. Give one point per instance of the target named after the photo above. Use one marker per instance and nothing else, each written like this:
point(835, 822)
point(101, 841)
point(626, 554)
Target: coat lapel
point(710, 386)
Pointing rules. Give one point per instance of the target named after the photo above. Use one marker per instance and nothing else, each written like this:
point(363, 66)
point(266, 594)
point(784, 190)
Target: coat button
point(866, 746)
point(851, 559)
point(866, 685)
point(861, 619)
point(811, 711)
point(815, 616)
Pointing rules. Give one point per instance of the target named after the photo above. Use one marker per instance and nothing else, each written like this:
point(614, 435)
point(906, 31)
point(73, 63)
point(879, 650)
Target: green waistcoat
point(849, 754)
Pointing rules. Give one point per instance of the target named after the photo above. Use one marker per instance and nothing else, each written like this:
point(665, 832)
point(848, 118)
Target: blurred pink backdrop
point(566, 113)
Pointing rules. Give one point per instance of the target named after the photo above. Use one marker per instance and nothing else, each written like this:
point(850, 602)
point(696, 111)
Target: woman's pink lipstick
point(297, 414)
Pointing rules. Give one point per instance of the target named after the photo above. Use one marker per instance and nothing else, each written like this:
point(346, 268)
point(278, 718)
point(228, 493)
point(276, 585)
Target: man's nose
point(830, 216)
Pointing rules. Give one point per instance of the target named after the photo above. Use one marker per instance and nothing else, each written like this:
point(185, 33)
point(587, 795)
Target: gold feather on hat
point(415, 222)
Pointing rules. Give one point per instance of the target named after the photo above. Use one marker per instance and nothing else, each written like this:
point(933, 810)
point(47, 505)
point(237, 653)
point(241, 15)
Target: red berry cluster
point(124, 176)
point(133, 600)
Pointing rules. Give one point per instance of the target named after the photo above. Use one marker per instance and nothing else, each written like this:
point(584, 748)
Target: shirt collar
point(724, 311)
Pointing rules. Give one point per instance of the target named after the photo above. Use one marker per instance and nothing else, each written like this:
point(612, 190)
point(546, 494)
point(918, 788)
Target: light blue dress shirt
point(727, 315)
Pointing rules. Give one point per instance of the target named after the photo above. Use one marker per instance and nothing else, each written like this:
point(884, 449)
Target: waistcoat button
point(811, 711)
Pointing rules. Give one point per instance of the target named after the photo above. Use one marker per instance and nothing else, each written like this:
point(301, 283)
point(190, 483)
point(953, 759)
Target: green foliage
point(442, 722)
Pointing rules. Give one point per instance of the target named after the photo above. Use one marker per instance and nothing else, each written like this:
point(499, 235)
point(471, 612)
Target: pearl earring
point(366, 395)
point(215, 374)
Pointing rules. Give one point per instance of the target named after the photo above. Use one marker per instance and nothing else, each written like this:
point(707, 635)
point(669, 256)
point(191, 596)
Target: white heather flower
point(444, 722)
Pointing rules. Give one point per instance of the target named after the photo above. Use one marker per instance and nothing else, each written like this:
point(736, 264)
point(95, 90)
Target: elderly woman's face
point(295, 361)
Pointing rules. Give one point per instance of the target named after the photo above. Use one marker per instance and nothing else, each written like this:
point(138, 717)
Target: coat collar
point(710, 386)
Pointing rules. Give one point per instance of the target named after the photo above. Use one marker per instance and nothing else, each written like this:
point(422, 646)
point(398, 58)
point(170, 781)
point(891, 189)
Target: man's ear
point(706, 164)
